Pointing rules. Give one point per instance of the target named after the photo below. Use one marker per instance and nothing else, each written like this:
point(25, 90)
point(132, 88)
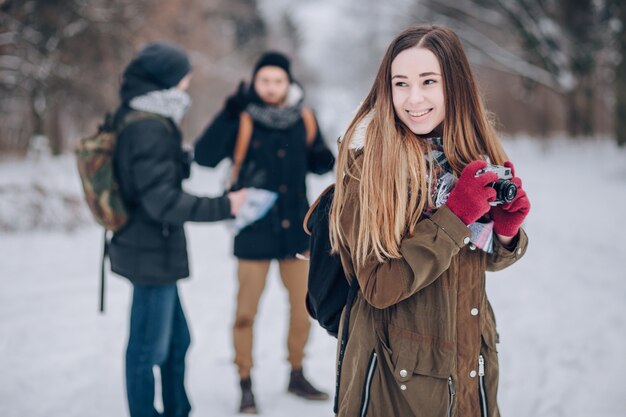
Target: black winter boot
point(299, 386)
point(247, 406)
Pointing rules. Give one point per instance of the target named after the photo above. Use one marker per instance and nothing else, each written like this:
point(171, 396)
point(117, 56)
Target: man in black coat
point(283, 146)
point(150, 250)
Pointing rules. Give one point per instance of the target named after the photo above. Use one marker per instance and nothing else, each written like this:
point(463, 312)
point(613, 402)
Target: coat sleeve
point(425, 256)
point(155, 174)
point(320, 159)
point(503, 257)
point(217, 141)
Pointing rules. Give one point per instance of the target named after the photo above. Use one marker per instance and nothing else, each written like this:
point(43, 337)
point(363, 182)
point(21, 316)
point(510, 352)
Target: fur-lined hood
point(357, 141)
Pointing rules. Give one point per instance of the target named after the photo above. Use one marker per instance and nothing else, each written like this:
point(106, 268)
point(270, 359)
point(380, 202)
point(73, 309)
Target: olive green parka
point(422, 335)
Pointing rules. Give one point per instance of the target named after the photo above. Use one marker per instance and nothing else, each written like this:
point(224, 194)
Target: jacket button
point(403, 373)
point(403, 387)
point(285, 224)
point(474, 311)
point(473, 374)
point(472, 247)
point(281, 153)
point(466, 240)
point(282, 188)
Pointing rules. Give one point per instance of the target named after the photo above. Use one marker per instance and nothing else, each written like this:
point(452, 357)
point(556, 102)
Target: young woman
point(413, 224)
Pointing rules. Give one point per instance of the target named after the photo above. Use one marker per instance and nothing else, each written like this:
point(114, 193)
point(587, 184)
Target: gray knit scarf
point(279, 117)
point(172, 103)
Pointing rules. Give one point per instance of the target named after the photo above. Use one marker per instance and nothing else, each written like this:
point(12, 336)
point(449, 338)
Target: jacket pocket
point(367, 384)
point(413, 353)
point(422, 370)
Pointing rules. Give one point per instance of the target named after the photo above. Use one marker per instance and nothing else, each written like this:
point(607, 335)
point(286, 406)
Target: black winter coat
point(277, 160)
point(150, 166)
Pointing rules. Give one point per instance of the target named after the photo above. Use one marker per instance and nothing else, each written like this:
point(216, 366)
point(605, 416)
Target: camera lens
point(506, 190)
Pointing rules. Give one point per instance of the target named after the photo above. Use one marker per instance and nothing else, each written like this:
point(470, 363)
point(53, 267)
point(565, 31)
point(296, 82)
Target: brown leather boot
point(247, 406)
point(299, 386)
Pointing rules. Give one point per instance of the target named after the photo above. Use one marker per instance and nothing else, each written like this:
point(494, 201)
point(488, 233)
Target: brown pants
point(252, 276)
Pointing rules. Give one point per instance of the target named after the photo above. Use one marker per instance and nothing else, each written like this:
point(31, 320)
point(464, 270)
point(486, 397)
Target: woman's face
point(417, 90)
point(271, 85)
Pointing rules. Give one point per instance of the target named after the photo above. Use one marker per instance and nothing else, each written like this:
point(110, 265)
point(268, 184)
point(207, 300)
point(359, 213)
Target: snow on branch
point(542, 38)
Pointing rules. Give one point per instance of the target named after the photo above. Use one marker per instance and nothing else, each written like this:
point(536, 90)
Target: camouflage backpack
point(94, 158)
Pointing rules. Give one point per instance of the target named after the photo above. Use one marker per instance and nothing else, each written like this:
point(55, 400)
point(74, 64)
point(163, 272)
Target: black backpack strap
point(105, 254)
point(352, 292)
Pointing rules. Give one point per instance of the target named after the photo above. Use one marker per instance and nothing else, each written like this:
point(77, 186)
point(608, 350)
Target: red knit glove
point(470, 198)
point(507, 218)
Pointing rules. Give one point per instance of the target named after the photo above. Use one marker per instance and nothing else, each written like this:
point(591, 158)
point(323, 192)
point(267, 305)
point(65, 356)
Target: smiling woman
point(415, 224)
point(417, 90)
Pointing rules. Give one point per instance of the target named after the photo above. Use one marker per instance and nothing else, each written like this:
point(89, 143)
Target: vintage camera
point(506, 190)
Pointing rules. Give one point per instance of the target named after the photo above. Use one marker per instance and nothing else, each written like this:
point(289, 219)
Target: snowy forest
point(552, 73)
point(60, 61)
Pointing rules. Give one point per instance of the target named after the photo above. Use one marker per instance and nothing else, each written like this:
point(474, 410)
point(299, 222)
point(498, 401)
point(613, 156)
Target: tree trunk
point(620, 78)
point(53, 126)
point(579, 104)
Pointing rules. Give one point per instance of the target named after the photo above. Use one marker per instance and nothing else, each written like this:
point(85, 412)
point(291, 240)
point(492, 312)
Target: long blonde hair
point(392, 176)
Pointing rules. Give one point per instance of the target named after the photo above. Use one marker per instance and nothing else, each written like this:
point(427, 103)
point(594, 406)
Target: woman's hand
point(471, 195)
point(508, 217)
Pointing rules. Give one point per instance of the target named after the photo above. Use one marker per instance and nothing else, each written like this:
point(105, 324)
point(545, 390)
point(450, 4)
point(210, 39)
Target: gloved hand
point(507, 218)
point(237, 102)
point(470, 197)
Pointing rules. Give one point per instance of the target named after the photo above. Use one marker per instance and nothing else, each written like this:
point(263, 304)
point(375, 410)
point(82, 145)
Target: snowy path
point(561, 311)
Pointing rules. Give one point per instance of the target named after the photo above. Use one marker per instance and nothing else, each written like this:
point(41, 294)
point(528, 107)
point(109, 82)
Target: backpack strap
point(244, 134)
point(310, 125)
point(105, 255)
point(135, 116)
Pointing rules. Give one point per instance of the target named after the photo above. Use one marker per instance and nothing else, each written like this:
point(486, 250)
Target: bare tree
point(60, 60)
point(560, 44)
point(52, 53)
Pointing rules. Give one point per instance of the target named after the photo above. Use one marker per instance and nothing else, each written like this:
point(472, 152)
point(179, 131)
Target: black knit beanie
point(273, 59)
point(164, 63)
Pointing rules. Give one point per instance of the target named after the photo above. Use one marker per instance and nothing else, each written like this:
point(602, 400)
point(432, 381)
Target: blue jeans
point(158, 336)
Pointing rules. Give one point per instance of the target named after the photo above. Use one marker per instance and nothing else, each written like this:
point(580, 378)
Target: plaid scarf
point(440, 181)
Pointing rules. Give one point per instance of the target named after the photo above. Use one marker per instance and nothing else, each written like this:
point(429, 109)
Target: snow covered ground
point(561, 310)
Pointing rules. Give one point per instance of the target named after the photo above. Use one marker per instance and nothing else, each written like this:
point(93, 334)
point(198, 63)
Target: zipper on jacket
point(481, 386)
point(452, 392)
point(369, 376)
